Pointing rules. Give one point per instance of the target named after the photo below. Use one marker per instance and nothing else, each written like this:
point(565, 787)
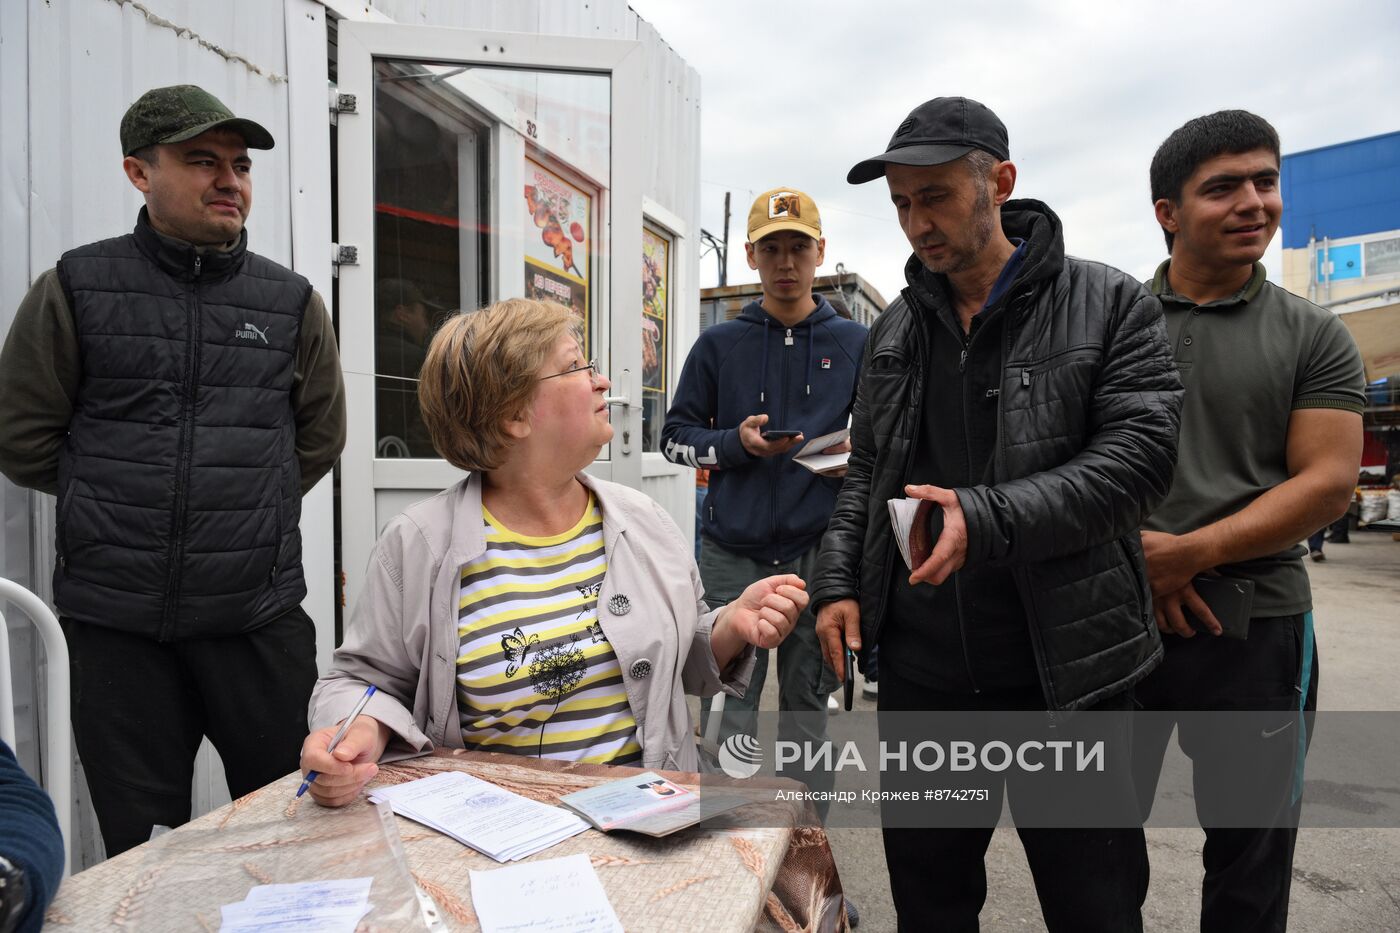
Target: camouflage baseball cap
point(180, 112)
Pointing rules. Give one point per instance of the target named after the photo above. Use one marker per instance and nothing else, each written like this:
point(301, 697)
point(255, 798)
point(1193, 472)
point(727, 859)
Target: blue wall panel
point(1345, 260)
point(1345, 190)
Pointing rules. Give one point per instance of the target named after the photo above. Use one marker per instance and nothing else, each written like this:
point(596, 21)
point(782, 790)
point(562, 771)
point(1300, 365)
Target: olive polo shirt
point(1248, 362)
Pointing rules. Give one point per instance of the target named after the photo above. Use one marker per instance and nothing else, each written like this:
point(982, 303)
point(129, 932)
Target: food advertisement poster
point(656, 268)
point(557, 252)
point(656, 288)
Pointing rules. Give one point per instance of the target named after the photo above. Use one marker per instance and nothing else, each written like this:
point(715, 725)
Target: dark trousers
point(804, 679)
point(141, 707)
point(1247, 870)
point(1087, 880)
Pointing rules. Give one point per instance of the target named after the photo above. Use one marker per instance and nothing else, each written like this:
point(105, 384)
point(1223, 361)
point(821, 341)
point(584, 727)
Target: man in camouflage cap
point(178, 394)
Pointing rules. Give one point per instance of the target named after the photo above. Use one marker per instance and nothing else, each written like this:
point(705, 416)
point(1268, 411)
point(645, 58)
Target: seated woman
point(530, 608)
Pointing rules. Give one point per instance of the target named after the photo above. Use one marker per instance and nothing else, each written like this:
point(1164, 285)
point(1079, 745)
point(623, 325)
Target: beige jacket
point(402, 636)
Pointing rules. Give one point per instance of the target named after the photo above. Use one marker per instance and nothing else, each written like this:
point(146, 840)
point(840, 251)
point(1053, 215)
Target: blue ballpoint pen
point(339, 734)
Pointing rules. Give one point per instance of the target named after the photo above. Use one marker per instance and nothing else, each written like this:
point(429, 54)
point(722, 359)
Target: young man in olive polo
point(1269, 449)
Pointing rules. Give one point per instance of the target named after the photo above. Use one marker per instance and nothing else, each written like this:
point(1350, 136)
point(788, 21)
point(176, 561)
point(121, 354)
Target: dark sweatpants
point(141, 707)
point(1088, 880)
point(1248, 871)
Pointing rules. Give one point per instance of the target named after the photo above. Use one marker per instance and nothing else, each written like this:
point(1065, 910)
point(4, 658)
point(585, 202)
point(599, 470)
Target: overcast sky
point(795, 93)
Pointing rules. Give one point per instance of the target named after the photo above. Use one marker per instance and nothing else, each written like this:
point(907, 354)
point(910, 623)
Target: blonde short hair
point(481, 371)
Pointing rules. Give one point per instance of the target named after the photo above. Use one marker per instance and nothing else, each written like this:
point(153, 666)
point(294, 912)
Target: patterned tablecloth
point(769, 872)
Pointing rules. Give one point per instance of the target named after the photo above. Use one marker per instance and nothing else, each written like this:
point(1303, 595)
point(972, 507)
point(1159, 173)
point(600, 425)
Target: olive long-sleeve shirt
point(41, 369)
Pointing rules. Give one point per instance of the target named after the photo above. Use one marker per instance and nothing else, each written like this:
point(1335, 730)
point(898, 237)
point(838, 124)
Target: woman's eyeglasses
point(591, 367)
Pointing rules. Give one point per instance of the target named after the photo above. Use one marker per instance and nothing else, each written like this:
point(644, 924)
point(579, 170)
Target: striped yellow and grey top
point(535, 675)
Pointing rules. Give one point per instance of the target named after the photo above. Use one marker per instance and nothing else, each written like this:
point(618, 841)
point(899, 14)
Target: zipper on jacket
point(276, 542)
point(175, 553)
point(967, 458)
point(773, 471)
point(1023, 585)
point(915, 406)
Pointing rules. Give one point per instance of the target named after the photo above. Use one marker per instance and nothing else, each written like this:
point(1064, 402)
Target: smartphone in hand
point(776, 435)
point(850, 685)
point(1230, 600)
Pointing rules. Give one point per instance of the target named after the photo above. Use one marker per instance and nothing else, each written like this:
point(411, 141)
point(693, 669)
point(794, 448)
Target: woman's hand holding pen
point(343, 772)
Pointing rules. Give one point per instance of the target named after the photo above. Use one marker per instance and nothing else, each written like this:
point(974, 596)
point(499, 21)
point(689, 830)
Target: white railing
point(58, 730)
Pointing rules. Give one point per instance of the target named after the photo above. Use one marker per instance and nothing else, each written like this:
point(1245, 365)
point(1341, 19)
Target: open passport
point(916, 523)
point(648, 803)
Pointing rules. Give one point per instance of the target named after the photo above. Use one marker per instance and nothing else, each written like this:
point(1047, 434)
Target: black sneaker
point(1317, 555)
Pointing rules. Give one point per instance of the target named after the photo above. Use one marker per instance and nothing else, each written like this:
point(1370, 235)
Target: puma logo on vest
point(251, 332)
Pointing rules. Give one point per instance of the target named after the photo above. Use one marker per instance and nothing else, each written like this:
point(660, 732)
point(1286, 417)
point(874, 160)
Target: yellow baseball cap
point(784, 209)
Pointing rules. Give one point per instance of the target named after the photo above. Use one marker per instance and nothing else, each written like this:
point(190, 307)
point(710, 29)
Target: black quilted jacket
point(1086, 442)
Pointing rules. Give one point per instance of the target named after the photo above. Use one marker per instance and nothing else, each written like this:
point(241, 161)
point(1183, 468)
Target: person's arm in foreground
point(29, 839)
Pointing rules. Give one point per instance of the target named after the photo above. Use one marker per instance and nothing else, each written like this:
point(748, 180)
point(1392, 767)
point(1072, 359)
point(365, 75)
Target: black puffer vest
point(179, 488)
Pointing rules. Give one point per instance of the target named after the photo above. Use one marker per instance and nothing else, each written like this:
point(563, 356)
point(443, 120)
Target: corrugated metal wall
point(1346, 190)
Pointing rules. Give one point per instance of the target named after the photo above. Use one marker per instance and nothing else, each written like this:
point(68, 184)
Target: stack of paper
point(489, 819)
point(316, 906)
point(557, 894)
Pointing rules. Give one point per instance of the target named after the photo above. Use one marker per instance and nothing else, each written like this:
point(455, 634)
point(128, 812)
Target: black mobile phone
point(1231, 601)
point(776, 435)
point(850, 678)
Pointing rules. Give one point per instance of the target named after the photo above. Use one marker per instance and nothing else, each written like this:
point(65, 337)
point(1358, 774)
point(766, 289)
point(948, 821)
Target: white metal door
point(477, 166)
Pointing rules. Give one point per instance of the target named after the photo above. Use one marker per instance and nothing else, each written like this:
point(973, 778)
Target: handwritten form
point(316, 906)
point(557, 895)
point(489, 819)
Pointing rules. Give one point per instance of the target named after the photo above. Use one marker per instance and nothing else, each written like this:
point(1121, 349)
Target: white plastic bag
point(1375, 505)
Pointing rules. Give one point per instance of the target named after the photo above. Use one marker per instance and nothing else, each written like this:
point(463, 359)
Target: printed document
point(557, 895)
point(476, 813)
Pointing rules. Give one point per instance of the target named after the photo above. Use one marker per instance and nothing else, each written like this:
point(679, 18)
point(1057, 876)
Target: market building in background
point(723, 303)
point(1341, 249)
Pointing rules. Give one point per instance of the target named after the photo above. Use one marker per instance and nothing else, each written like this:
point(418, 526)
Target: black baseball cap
point(938, 131)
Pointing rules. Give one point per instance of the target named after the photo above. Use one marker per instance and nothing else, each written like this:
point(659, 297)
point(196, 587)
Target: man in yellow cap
point(752, 391)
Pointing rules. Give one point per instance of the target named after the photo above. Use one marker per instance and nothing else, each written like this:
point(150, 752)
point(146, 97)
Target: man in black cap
point(1031, 397)
point(178, 394)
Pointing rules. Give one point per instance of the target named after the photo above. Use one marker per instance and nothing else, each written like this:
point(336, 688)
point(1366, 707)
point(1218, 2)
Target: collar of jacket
point(177, 258)
point(468, 537)
point(1024, 218)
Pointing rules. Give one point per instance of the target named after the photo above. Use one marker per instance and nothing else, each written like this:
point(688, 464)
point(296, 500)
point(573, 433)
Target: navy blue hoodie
point(804, 378)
